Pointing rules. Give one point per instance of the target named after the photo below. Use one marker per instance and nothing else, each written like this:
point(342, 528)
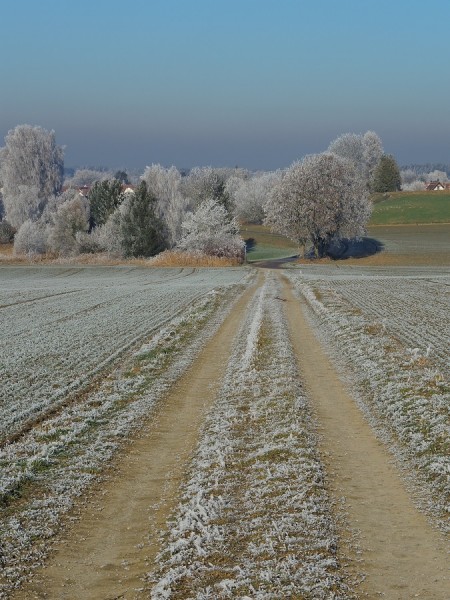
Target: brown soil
point(106, 554)
point(402, 556)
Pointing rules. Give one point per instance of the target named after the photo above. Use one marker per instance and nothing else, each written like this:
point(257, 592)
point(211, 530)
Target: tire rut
point(401, 555)
point(106, 554)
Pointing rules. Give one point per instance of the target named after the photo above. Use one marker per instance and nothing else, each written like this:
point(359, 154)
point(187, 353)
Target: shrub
point(31, 238)
point(6, 232)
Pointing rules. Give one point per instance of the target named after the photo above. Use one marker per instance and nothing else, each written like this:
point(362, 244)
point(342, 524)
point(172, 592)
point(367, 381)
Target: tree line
point(315, 201)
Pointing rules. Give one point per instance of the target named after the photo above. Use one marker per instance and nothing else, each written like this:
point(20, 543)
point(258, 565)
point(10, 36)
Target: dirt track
point(105, 554)
point(402, 556)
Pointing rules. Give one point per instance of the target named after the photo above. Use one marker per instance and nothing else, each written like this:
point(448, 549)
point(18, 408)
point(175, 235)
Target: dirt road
point(401, 555)
point(106, 554)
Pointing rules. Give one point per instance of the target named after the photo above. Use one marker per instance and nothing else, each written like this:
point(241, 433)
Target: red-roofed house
point(435, 186)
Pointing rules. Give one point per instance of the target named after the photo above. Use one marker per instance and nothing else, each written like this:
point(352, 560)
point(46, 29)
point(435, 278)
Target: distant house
point(85, 189)
point(435, 186)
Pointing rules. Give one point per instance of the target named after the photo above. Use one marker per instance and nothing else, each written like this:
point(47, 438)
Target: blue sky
point(254, 83)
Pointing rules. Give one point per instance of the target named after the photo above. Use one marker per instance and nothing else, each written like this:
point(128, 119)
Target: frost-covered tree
point(24, 205)
point(250, 195)
point(171, 204)
point(87, 177)
point(408, 176)
point(387, 175)
point(104, 198)
point(437, 175)
point(364, 151)
point(108, 237)
point(411, 181)
point(205, 183)
point(349, 146)
point(71, 217)
point(143, 232)
point(372, 153)
point(30, 159)
point(31, 238)
point(414, 186)
point(210, 230)
point(319, 199)
point(283, 212)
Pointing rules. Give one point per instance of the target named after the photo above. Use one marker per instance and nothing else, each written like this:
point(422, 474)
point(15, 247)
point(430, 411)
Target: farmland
point(63, 326)
point(86, 355)
point(387, 330)
point(284, 491)
point(412, 208)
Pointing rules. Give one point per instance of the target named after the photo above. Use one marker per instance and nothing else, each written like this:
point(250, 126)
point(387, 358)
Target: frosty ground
point(256, 507)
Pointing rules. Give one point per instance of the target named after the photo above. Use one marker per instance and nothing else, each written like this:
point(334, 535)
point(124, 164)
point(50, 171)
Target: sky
point(250, 83)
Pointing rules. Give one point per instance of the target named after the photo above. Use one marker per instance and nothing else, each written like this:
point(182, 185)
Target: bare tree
point(24, 205)
point(32, 159)
point(349, 146)
point(372, 153)
point(414, 186)
point(408, 176)
point(410, 181)
point(364, 151)
point(319, 199)
point(204, 183)
point(171, 204)
point(250, 195)
point(88, 177)
point(437, 175)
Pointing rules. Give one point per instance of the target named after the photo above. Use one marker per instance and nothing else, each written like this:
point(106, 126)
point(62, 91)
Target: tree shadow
point(250, 243)
point(354, 248)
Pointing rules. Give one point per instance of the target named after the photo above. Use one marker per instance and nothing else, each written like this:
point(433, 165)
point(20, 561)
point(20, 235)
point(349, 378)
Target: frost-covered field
point(54, 461)
point(389, 330)
point(61, 326)
point(255, 520)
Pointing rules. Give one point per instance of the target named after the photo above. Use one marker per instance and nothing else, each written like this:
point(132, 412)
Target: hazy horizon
point(256, 84)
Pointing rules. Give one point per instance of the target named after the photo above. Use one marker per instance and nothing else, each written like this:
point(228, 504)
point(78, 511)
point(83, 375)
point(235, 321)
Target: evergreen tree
point(122, 176)
point(143, 233)
point(104, 198)
point(386, 177)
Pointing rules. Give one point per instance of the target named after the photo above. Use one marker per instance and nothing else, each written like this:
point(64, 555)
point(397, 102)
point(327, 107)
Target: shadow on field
point(275, 263)
point(339, 250)
point(250, 243)
point(355, 248)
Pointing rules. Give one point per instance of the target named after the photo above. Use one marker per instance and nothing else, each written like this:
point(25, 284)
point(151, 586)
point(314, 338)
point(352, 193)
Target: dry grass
point(171, 258)
point(165, 259)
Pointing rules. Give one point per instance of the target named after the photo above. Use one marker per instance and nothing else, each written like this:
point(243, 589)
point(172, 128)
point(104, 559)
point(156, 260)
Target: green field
point(412, 228)
point(409, 208)
point(262, 244)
